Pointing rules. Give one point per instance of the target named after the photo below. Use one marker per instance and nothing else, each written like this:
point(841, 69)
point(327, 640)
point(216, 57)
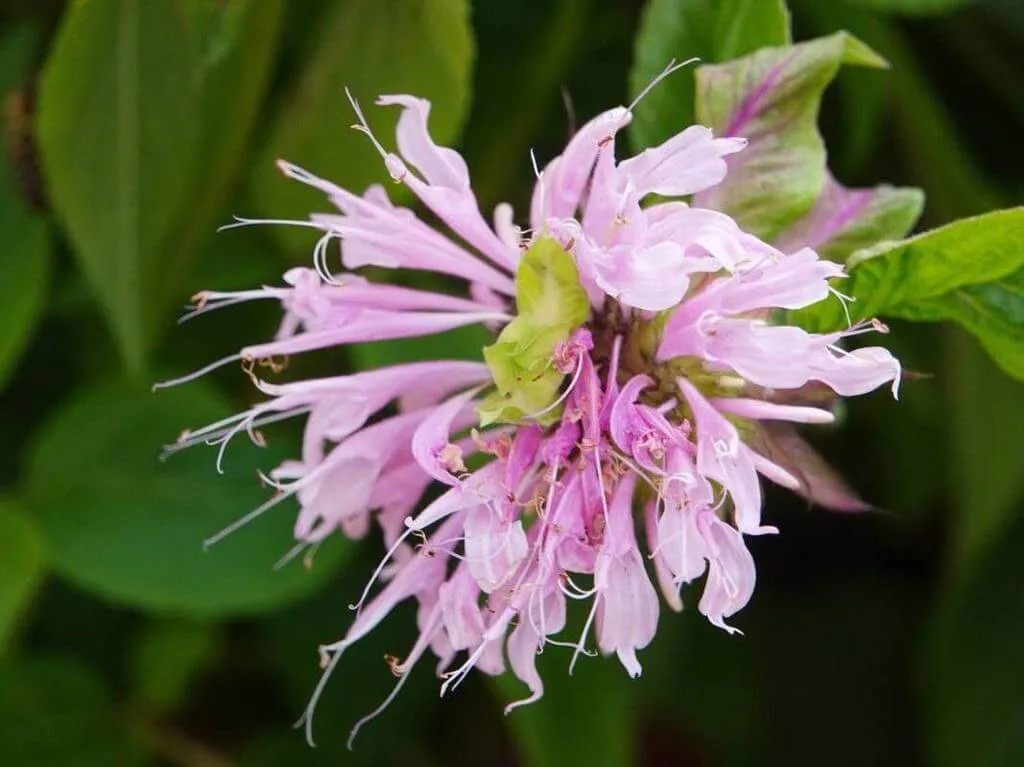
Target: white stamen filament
point(669, 70)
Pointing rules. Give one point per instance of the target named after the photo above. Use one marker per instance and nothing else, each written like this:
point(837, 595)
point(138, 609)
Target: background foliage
point(132, 129)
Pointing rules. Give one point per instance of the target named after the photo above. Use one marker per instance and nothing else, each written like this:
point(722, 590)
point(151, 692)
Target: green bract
point(551, 304)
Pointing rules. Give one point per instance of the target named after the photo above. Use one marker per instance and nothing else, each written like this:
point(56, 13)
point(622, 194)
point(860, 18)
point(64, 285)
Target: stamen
point(198, 373)
point(670, 69)
point(564, 395)
point(293, 552)
point(583, 637)
point(307, 715)
point(380, 568)
point(240, 222)
point(320, 258)
point(396, 168)
point(404, 673)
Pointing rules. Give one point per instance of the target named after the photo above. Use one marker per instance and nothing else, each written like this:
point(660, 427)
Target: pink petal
point(688, 162)
point(731, 574)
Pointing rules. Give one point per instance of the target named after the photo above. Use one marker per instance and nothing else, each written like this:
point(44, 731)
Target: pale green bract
point(551, 305)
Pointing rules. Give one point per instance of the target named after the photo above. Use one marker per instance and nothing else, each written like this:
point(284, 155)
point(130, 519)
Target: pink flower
point(638, 381)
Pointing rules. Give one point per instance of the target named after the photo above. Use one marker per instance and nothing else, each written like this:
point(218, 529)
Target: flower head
point(638, 385)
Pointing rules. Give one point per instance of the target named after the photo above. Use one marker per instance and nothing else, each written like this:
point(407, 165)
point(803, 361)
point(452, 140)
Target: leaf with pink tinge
point(771, 98)
point(820, 483)
point(844, 220)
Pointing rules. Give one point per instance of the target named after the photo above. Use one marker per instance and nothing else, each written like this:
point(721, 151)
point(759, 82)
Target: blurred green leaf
point(985, 465)
point(970, 271)
point(16, 48)
point(167, 658)
point(722, 673)
point(116, 154)
point(24, 562)
point(714, 31)
point(238, 41)
point(587, 718)
point(24, 273)
point(131, 530)
point(926, 139)
point(363, 680)
point(835, 662)
point(373, 47)
point(972, 667)
point(772, 98)
point(26, 251)
point(56, 712)
point(276, 749)
point(911, 7)
point(465, 343)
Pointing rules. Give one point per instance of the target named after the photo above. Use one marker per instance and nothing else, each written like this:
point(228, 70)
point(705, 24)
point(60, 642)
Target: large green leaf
point(138, 164)
point(373, 47)
point(971, 272)
point(130, 529)
point(115, 154)
point(714, 31)
point(237, 42)
point(56, 712)
point(772, 98)
point(21, 552)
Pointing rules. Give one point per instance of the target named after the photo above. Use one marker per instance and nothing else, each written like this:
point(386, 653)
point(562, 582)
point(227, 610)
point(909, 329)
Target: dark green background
point(133, 129)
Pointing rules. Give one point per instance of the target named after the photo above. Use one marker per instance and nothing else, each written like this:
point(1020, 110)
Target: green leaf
point(115, 154)
point(130, 529)
point(56, 712)
point(713, 30)
point(237, 43)
point(24, 272)
point(168, 657)
point(24, 563)
point(551, 304)
point(772, 98)
point(971, 667)
point(373, 47)
point(465, 343)
point(970, 272)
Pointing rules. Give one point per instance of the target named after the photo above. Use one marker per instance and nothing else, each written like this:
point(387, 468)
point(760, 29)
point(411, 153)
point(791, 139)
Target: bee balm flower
point(637, 387)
